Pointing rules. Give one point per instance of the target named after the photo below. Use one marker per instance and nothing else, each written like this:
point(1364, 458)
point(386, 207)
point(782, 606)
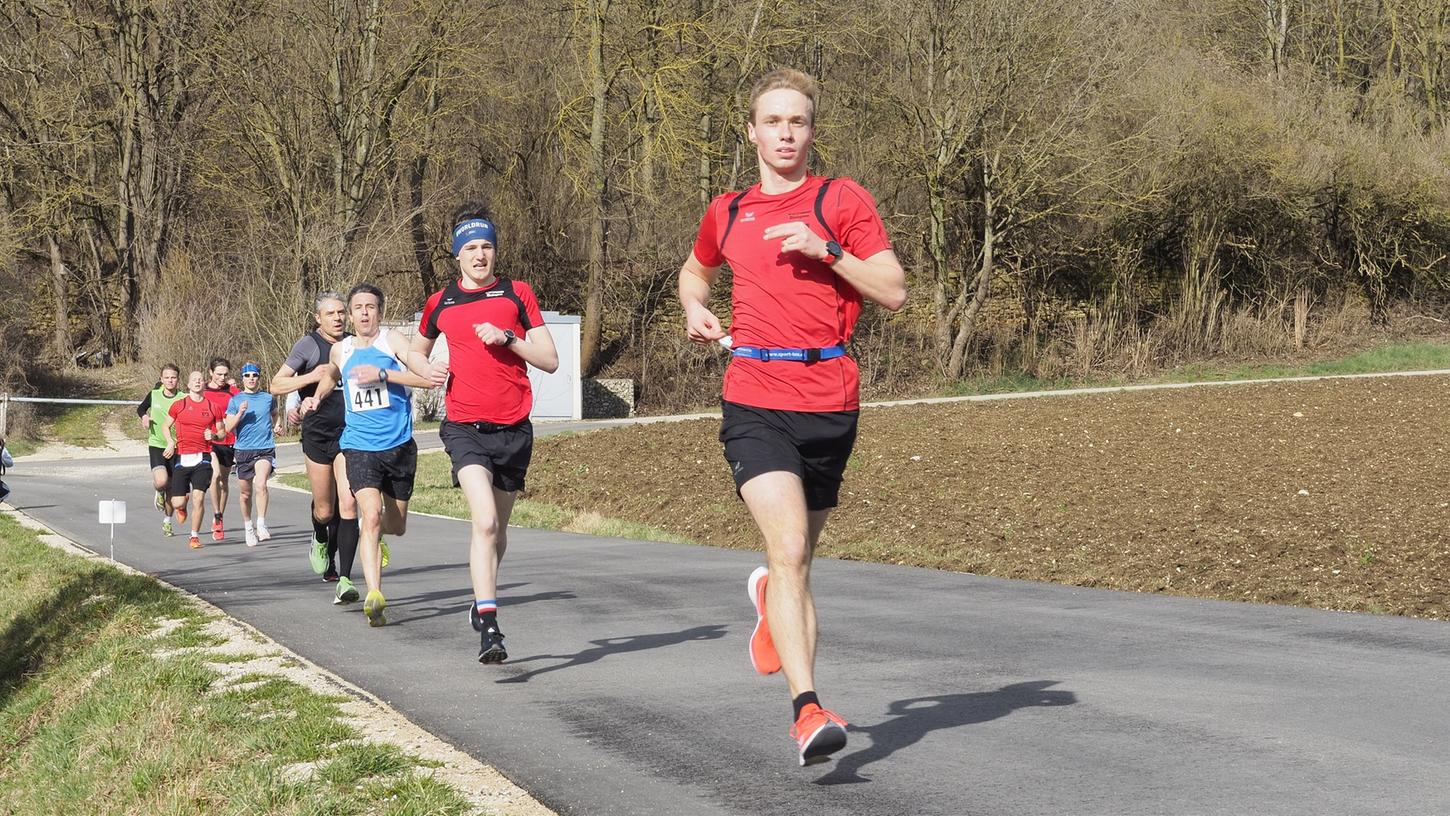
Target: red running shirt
point(485, 383)
point(192, 418)
point(220, 398)
point(791, 301)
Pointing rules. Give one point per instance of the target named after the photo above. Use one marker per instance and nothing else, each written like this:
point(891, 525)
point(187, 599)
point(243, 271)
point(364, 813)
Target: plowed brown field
point(1330, 494)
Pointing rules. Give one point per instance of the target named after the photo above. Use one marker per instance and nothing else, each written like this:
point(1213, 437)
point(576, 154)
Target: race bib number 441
point(367, 397)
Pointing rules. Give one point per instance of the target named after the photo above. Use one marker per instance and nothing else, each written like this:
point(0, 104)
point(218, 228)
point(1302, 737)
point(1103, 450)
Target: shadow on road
point(456, 601)
point(914, 718)
point(616, 645)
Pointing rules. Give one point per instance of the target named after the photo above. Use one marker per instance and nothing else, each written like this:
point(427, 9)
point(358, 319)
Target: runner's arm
point(143, 411)
point(701, 324)
point(536, 347)
point(368, 374)
point(166, 429)
point(288, 380)
point(879, 278)
point(231, 421)
point(417, 361)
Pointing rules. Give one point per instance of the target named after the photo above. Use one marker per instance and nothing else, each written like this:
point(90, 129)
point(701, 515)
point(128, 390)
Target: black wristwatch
point(382, 375)
point(509, 337)
point(833, 252)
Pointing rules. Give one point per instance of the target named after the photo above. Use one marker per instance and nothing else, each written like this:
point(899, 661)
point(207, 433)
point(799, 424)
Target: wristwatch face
point(835, 250)
point(509, 336)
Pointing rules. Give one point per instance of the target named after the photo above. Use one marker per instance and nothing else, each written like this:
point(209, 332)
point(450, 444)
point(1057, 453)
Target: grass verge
point(112, 703)
point(1388, 358)
point(433, 492)
point(83, 426)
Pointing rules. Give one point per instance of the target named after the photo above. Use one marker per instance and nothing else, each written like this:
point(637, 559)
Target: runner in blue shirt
point(377, 436)
point(252, 416)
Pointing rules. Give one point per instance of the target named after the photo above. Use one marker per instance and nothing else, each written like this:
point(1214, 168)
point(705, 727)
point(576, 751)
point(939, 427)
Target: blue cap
point(252, 368)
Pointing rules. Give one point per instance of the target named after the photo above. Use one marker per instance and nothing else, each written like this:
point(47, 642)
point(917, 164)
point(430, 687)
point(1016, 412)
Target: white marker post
point(112, 512)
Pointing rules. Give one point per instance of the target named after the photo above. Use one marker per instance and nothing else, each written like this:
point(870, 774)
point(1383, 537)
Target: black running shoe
point(491, 649)
point(474, 619)
point(330, 576)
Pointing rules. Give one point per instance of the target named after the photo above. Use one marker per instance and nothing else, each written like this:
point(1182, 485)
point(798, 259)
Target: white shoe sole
point(824, 741)
point(753, 588)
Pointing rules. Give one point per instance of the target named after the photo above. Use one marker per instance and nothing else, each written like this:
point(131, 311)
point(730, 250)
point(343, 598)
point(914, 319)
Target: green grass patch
point(433, 492)
point(1383, 359)
point(83, 426)
point(95, 719)
point(21, 446)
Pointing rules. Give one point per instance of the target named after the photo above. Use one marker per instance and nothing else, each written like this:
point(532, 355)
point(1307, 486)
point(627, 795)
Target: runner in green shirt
point(152, 412)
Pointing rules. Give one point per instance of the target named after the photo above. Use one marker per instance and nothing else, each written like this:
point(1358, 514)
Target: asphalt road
point(629, 691)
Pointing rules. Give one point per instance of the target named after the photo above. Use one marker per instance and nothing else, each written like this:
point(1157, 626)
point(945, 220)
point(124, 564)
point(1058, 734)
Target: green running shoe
point(383, 548)
point(160, 502)
point(373, 607)
point(346, 592)
point(317, 556)
point(166, 526)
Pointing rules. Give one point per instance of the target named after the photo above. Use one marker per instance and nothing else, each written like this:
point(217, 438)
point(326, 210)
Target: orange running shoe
point(217, 530)
point(762, 647)
point(818, 733)
point(195, 541)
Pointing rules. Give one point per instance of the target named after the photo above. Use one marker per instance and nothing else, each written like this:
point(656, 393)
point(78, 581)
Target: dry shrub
point(1245, 334)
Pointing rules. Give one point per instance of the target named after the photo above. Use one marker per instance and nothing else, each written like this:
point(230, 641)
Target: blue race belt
point(796, 355)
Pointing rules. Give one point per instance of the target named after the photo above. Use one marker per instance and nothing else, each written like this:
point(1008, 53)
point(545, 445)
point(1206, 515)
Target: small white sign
point(113, 512)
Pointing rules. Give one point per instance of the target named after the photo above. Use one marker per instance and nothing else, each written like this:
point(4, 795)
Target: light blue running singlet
point(379, 416)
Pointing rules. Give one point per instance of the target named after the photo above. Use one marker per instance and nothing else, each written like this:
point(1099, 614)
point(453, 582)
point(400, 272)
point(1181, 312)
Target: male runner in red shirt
point(494, 332)
point(219, 392)
point(805, 251)
point(191, 425)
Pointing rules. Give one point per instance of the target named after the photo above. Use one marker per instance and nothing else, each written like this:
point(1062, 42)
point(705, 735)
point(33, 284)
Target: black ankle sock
point(347, 534)
point(801, 701)
point(319, 530)
point(332, 535)
point(216, 516)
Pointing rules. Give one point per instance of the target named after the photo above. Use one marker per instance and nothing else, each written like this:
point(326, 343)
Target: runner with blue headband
point(252, 416)
point(474, 229)
point(494, 332)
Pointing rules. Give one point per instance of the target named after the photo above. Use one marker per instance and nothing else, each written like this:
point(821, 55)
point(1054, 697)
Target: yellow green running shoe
point(383, 548)
point(317, 556)
point(373, 608)
point(346, 592)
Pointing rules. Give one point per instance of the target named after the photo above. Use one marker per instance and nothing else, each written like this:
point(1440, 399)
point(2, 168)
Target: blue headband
point(249, 368)
point(472, 230)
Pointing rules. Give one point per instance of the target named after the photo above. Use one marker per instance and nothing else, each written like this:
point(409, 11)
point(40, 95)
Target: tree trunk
point(59, 279)
point(592, 323)
point(417, 223)
point(1301, 317)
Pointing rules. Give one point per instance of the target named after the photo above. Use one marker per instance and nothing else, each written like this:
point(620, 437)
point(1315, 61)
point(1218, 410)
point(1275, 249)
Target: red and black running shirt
point(791, 301)
point(192, 418)
point(485, 383)
point(221, 398)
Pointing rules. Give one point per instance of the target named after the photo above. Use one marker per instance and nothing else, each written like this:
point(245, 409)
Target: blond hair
point(785, 78)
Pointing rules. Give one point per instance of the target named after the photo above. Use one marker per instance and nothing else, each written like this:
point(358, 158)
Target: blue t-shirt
point(254, 432)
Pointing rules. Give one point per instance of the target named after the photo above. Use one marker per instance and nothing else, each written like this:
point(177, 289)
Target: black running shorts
point(504, 450)
point(247, 461)
point(224, 455)
point(812, 445)
point(159, 459)
point(185, 479)
point(321, 430)
point(391, 471)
